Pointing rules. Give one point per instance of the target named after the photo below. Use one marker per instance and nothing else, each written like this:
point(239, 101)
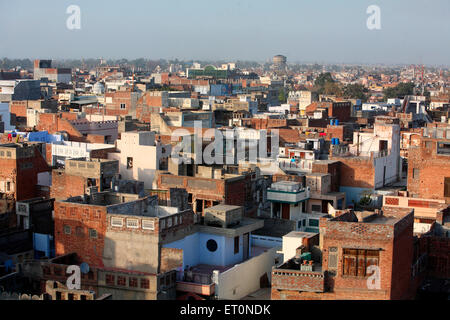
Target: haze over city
point(324, 31)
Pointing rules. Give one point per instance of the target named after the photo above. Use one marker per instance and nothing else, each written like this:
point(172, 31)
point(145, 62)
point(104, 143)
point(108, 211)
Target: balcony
point(306, 277)
point(287, 192)
point(199, 283)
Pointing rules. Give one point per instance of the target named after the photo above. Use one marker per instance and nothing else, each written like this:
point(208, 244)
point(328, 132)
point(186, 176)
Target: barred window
point(132, 223)
point(145, 284)
point(121, 281)
point(148, 224)
point(116, 222)
point(133, 282)
point(110, 279)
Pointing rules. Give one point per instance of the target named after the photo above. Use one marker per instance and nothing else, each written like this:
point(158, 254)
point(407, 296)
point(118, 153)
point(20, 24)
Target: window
point(132, 223)
point(110, 279)
point(169, 222)
point(93, 233)
point(67, 230)
point(236, 245)
point(145, 284)
point(121, 281)
point(175, 220)
point(133, 282)
point(123, 106)
point(129, 162)
point(8, 186)
point(356, 261)
point(162, 224)
point(70, 296)
point(383, 145)
point(447, 187)
point(316, 208)
point(116, 222)
point(332, 258)
point(148, 224)
point(79, 231)
point(211, 245)
point(313, 222)
point(416, 173)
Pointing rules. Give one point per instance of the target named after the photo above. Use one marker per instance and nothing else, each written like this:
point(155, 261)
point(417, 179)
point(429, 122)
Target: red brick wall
point(65, 186)
point(89, 250)
point(356, 172)
point(432, 168)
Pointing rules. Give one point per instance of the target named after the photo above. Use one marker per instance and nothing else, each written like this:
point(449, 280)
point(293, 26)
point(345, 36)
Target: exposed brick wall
point(90, 250)
point(331, 168)
point(65, 186)
point(431, 170)
point(356, 172)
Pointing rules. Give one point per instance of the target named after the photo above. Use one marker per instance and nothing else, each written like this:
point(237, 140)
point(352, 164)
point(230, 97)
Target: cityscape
point(208, 179)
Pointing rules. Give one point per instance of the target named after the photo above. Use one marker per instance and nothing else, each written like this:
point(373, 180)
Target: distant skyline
point(305, 31)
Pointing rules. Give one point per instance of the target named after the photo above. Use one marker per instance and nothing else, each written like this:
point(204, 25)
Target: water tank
point(336, 122)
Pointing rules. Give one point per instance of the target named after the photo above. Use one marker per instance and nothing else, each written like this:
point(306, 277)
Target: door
point(285, 211)
point(245, 238)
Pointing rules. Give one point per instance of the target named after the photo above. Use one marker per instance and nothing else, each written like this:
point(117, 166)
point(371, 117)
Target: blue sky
point(323, 31)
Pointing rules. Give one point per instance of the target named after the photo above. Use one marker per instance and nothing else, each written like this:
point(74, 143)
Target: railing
point(195, 282)
point(194, 277)
point(298, 280)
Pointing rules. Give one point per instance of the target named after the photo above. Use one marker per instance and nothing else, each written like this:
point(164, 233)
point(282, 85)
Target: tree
point(399, 91)
point(355, 91)
point(282, 96)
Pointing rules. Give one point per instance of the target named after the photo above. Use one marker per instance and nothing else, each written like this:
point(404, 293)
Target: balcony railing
point(297, 280)
point(200, 283)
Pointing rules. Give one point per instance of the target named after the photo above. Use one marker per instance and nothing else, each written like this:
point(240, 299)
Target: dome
point(98, 88)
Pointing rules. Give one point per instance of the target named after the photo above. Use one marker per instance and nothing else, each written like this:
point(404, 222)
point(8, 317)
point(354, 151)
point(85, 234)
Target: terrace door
point(246, 239)
point(285, 211)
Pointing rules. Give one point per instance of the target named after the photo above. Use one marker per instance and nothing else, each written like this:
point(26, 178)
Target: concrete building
point(372, 161)
point(140, 156)
point(5, 117)
point(23, 89)
point(43, 70)
point(122, 236)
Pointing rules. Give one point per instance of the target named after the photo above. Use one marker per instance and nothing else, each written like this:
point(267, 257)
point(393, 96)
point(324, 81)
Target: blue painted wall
point(44, 243)
point(353, 193)
point(196, 252)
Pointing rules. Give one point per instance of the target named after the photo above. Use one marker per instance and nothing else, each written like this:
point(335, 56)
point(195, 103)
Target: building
point(43, 70)
point(79, 175)
point(360, 255)
point(121, 236)
point(140, 156)
point(36, 215)
point(23, 89)
point(371, 162)
point(429, 165)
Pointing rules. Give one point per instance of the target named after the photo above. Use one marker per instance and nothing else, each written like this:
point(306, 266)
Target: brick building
point(429, 166)
point(123, 234)
point(81, 174)
point(20, 164)
point(340, 267)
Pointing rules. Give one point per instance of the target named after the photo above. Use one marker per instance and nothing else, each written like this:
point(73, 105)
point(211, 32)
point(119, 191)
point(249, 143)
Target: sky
point(305, 31)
